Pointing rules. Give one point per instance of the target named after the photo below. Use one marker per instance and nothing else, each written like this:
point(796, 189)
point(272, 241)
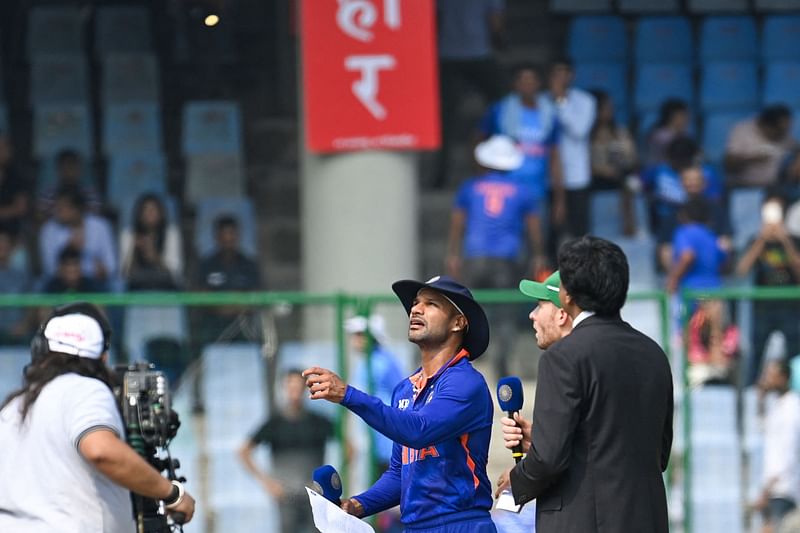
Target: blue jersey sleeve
point(455, 409)
point(462, 197)
point(681, 242)
point(385, 493)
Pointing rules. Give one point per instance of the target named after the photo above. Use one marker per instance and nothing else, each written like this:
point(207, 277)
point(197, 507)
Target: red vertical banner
point(370, 75)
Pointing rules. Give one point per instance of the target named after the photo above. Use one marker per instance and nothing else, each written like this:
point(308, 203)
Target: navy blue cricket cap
point(476, 338)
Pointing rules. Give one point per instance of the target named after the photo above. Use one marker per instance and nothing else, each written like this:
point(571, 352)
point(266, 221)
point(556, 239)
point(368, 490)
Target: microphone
point(510, 398)
point(326, 481)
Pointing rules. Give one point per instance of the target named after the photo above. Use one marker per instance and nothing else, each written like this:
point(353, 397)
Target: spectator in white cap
point(491, 215)
point(65, 464)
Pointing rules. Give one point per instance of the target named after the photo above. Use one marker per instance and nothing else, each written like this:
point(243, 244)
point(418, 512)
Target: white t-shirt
point(782, 447)
point(46, 485)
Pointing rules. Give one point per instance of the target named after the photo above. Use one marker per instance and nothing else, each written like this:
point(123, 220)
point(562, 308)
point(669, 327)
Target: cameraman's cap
point(75, 334)
point(547, 291)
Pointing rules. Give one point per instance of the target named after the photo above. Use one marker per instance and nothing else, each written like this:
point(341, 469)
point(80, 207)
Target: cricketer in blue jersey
point(440, 419)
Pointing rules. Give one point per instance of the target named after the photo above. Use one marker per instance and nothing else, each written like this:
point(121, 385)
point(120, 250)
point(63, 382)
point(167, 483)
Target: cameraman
point(65, 466)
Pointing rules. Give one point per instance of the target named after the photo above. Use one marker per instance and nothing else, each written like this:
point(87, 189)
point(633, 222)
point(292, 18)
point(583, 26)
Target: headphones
point(40, 347)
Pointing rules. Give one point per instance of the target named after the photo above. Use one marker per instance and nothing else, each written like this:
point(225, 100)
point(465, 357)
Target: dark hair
point(73, 195)
point(67, 154)
point(601, 97)
point(138, 225)
point(517, 69)
point(594, 272)
point(225, 221)
point(681, 152)
point(42, 371)
point(697, 209)
point(669, 108)
point(562, 61)
point(773, 114)
point(69, 253)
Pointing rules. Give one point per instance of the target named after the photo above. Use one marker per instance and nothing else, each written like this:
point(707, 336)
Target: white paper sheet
point(505, 502)
point(331, 519)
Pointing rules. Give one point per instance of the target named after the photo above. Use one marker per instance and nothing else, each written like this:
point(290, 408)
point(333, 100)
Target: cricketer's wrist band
point(175, 497)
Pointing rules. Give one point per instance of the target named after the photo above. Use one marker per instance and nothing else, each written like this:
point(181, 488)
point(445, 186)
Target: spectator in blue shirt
point(697, 255)
point(528, 117)
point(490, 217)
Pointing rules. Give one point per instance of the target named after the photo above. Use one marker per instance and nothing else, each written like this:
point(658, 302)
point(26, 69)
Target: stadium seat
point(59, 79)
point(130, 78)
point(716, 129)
point(780, 38)
point(207, 212)
point(610, 77)
point(54, 29)
point(745, 215)
point(728, 86)
point(12, 360)
point(122, 29)
point(717, 6)
point(213, 174)
point(782, 83)
point(580, 6)
point(131, 175)
point(144, 323)
point(598, 39)
point(56, 127)
point(132, 128)
point(648, 6)
point(657, 82)
point(728, 38)
point(212, 127)
point(796, 123)
point(664, 40)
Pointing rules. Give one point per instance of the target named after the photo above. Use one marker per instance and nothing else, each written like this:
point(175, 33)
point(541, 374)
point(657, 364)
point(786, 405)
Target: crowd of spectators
point(61, 236)
point(573, 147)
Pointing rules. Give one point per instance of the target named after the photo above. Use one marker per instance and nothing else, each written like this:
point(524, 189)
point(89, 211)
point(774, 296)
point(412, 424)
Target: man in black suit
point(602, 420)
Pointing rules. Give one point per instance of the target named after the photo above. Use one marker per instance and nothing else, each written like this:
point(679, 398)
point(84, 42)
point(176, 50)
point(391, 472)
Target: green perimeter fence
point(342, 306)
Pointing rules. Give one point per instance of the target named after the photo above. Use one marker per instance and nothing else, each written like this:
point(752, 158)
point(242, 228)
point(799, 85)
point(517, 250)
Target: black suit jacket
point(602, 433)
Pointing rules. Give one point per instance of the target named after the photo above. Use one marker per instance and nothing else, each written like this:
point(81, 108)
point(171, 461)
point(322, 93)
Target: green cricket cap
point(548, 290)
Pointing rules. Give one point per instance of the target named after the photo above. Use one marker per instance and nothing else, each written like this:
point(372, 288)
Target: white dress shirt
point(576, 115)
point(583, 315)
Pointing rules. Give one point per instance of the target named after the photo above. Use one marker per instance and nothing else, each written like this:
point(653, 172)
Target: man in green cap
point(551, 323)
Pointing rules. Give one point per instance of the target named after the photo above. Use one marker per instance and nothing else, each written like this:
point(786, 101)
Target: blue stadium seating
point(131, 175)
point(728, 38)
point(664, 40)
point(780, 38)
point(580, 6)
point(213, 174)
point(12, 360)
point(648, 6)
point(212, 127)
point(209, 209)
point(657, 82)
point(716, 129)
point(59, 79)
point(729, 85)
point(782, 83)
point(56, 127)
point(132, 128)
point(144, 323)
point(122, 29)
point(130, 78)
point(612, 78)
point(717, 6)
point(56, 30)
point(796, 123)
point(598, 39)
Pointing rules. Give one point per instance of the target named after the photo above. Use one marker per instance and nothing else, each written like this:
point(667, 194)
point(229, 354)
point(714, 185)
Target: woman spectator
point(673, 121)
point(613, 157)
point(151, 248)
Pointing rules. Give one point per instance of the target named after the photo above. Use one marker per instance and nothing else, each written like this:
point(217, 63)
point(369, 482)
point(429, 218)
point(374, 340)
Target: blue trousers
point(479, 525)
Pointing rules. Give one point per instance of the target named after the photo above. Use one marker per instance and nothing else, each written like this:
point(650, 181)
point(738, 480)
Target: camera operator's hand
point(184, 511)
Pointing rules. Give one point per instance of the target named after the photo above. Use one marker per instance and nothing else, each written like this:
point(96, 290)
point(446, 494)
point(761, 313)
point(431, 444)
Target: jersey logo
point(403, 404)
point(410, 455)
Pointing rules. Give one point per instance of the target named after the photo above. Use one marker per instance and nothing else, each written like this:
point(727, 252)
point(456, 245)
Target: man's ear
point(459, 324)
point(563, 317)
